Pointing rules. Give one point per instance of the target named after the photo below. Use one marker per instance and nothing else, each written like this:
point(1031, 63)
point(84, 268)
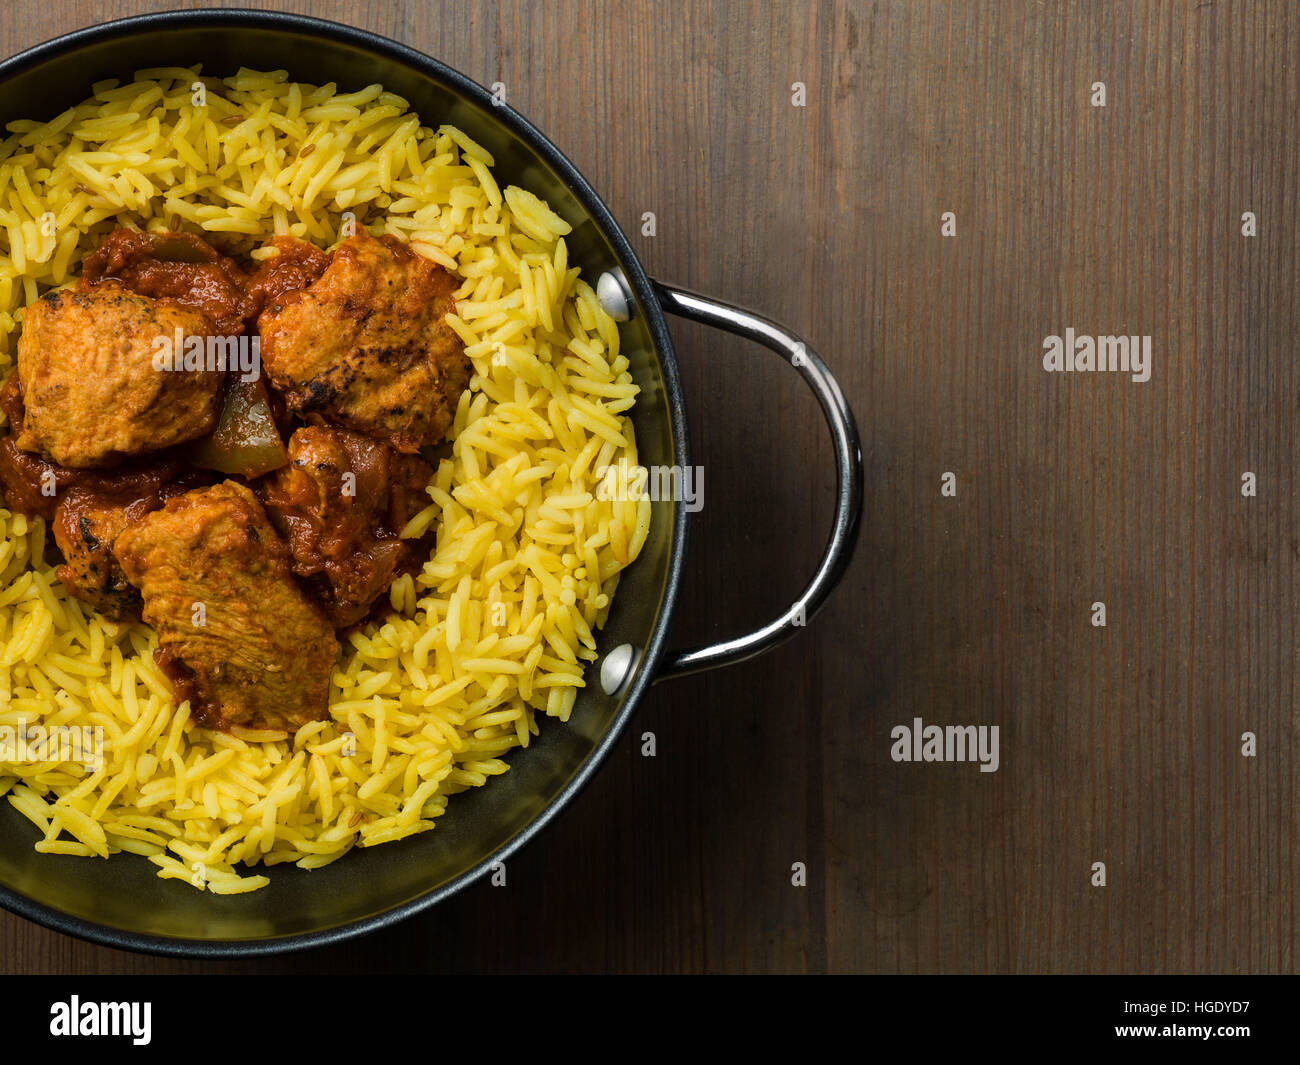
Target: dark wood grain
point(1119, 744)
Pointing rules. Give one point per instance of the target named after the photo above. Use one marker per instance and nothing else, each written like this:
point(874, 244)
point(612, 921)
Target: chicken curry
point(245, 517)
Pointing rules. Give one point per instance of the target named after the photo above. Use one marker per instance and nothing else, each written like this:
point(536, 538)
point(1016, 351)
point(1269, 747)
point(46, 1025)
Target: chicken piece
point(367, 346)
point(89, 386)
point(85, 527)
point(88, 520)
point(341, 503)
point(237, 636)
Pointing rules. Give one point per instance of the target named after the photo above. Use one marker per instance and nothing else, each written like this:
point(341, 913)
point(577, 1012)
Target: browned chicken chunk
point(236, 634)
point(341, 503)
point(90, 389)
point(366, 346)
point(90, 516)
point(85, 528)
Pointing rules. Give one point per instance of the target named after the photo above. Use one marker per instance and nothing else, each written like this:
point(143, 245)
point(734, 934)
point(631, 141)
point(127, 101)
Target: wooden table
point(1118, 744)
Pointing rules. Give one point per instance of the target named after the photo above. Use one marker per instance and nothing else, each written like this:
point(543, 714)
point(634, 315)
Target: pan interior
point(123, 895)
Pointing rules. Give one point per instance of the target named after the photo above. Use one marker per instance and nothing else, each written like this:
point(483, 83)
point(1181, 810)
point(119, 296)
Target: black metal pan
point(121, 902)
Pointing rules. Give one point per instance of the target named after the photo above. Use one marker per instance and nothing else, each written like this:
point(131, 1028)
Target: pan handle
point(848, 471)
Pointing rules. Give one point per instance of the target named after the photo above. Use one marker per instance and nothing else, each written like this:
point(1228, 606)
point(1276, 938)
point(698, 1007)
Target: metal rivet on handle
point(618, 667)
point(613, 295)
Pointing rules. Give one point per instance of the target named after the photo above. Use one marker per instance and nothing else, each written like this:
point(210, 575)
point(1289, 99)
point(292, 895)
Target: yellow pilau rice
point(496, 629)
